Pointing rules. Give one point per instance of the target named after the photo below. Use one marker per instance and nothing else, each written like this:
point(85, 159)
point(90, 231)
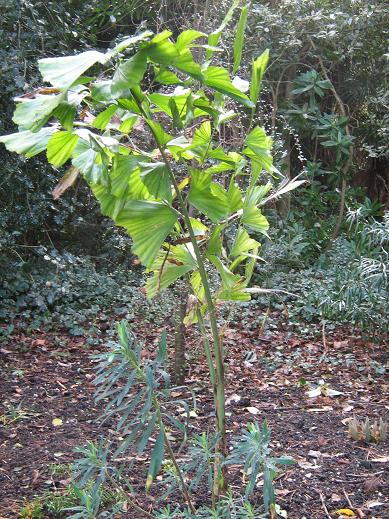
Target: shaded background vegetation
point(325, 101)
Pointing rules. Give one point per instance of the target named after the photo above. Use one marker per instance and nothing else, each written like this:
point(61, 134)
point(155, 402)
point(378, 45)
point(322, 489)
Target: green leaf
point(255, 194)
point(156, 459)
point(219, 79)
point(168, 267)
point(201, 142)
point(128, 122)
point(27, 143)
point(239, 37)
point(232, 284)
point(215, 243)
point(146, 434)
point(165, 77)
point(130, 73)
point(199, 228)
point(159, 133)
point(259, 148)
point(185, 63)
point(62, 72)
point(104, 117)
point(163, 52)
point(129, 42)
point(125, 178)
point(228, 278)
point(242, 243)
point(214, 37)
point(162, 349)
point(237, 293)
point(207, 196)
point(65, 113)
point(254, 220)
point(101, 91)
point(234, 197)
point(259, 66)
point(148, 224)
point(32, 114)
point(187, 37)
point(177, 123)
point(86, 164)
point(156, 178)
point(60, 147)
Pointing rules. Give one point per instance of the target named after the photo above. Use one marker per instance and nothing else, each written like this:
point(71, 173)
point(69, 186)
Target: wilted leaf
point(66, 181)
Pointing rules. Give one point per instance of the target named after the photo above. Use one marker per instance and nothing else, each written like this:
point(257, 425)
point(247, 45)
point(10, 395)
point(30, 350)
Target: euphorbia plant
point(145, 134)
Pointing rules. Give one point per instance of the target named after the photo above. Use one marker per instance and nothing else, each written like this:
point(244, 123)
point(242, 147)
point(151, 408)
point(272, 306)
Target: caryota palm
point(143, 129)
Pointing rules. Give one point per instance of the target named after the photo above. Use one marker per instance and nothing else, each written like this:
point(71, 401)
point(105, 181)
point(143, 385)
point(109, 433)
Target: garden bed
point(47, 410)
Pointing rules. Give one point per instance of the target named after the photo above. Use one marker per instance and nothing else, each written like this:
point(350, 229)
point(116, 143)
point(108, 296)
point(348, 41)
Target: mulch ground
point(43, 379)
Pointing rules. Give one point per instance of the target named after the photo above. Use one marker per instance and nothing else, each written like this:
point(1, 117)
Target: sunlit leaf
point(242, 243)
point(27, 143)
point(32, 114)
point(129, 42)
point(219, 79)
point(259, 67)
point(239, 37)
point(130, 73)
point(162, 51)
point(185, 38)
point(60, 147)
point(259, 148)
point(214, 37)
point(104, 117)
point(62, 72)
point(254, 220)
point(207, 196)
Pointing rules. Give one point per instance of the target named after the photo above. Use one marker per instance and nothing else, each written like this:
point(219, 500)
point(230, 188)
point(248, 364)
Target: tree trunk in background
point(283, 205)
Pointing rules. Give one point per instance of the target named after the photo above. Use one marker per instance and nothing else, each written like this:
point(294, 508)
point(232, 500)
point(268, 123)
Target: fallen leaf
point(382, 459)
point(314, 392)
point(56, 422)
point(320, 409)
point(373, 504)
point(253, 410)
point(346, 512)
point(372, 484)
point(314, 454)
point(232, 398)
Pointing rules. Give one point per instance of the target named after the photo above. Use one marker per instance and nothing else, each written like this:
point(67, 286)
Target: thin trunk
point(220, 470)
point(348, 164)
point(179, 339)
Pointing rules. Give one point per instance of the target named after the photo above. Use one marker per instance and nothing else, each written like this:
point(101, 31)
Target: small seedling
point(365, 431)
point(15, 413)
point(32, 510)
